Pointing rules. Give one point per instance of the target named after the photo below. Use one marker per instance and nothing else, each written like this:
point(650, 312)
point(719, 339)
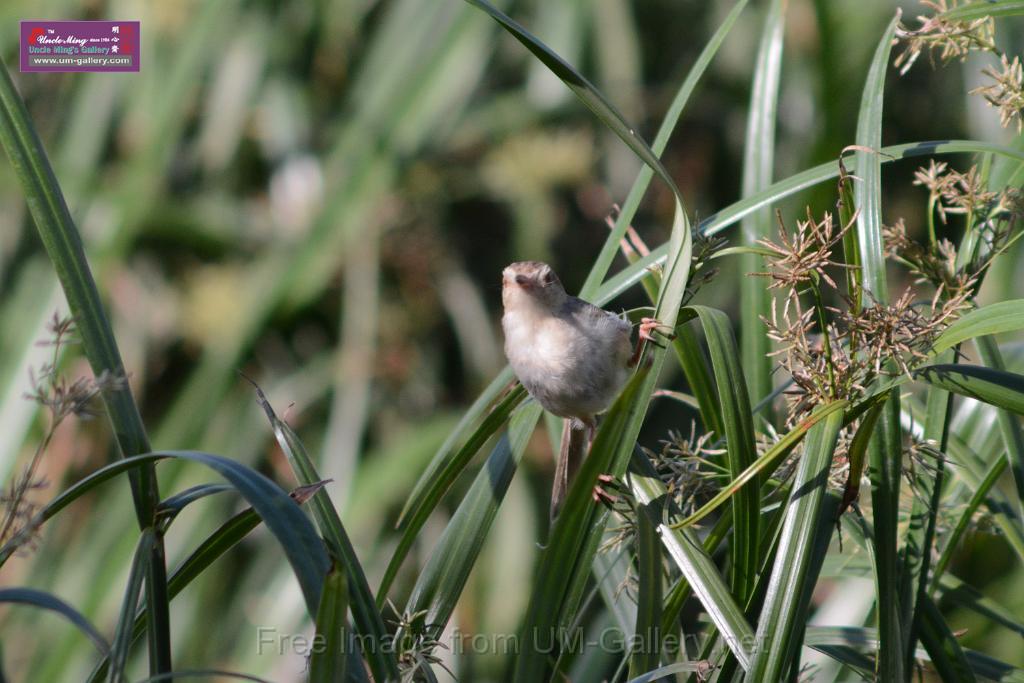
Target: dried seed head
point(951, 39)
point(1006, 92)
point(805, 255)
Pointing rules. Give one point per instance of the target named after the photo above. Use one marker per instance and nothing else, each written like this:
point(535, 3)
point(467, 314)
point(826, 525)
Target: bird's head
point(531, 283)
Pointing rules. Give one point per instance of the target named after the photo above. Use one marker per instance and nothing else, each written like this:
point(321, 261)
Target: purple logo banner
point(79, 45)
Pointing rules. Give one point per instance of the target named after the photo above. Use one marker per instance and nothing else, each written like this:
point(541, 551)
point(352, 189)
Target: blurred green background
point(322, 195)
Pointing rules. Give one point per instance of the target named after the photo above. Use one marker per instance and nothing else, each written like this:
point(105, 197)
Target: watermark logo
point(80, 46)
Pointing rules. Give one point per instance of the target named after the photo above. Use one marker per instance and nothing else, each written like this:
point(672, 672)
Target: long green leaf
point(924, 510)
point(327, 662)
point(646, 643)
point(999, 388)
point(1009, 424)
point(561, 558)
point(442, 579)
point(1004, 316)
point(791, 579)
point(368, 619)
point(764, 465)
point(985, 8)
point(885, 448)
point(696, 565)
point(438, 478)
point(43, 600)
point(63, 245)
point(758, 161)
point(858, 455)
point(133, 589)
point(291, 528)
point(741, 451)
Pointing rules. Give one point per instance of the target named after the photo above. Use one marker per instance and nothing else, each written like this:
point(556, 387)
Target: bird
point(571, 356)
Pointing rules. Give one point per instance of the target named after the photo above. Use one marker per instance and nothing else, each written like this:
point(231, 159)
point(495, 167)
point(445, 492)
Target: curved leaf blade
point(996, 387)
point(758, 162)
point(741, 451)
point(1004, 316)
point(133, 589)
point(785, 606)
point(327, 662)
point(44, 600)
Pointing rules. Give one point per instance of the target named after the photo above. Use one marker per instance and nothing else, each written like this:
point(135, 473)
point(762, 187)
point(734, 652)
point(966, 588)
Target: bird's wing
point(587, 312)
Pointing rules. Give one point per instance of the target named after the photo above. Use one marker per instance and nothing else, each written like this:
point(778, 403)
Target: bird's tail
point(576, 436)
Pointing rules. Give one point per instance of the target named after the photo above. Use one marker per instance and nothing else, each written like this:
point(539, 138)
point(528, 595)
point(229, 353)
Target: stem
point(819, 306)
point(932, 241)
point(63, 244)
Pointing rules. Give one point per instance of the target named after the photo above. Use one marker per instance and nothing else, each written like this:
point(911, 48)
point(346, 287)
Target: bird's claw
point(648, 326)
point(602, 496)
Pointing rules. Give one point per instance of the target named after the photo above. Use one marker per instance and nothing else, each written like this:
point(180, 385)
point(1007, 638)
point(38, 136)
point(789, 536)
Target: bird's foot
point(601, 495)
point(648, 326)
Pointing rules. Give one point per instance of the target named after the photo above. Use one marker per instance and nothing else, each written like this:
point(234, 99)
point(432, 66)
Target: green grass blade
point(697, 567)
point(952, 540)
point(662, 673)
point(847, 209)
point(583, 89)
point(758, 162)
point(437, 479)
point(741, 451)
point(858, 454)
point(368, 619)
point(443, 578)
point(43, 600)
point(172, 505)
point(1004, 316)
point(927, 483)
point(297, 536)
point(227, 536)
point(948, 658)
point(885, 449)
point(996, 387)
point(133, 589)
point(327, 662)
point(1009, 425)
point(63, 245)
point(785, 605)
point(668, 124)
point(868, 192)
point(766, 464)
point(985, 8)
point(682, 591)
point(561, 558)
point(646, 644)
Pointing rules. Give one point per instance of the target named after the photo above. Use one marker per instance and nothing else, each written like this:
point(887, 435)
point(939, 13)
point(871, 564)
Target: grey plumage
point(571, 356)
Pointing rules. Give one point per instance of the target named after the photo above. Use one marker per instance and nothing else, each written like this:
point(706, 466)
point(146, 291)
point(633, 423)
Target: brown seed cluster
point(1006, 92)
point(950, 39)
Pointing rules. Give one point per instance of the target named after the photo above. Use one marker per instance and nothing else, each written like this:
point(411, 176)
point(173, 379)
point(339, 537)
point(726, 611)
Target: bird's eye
point(548, 278)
